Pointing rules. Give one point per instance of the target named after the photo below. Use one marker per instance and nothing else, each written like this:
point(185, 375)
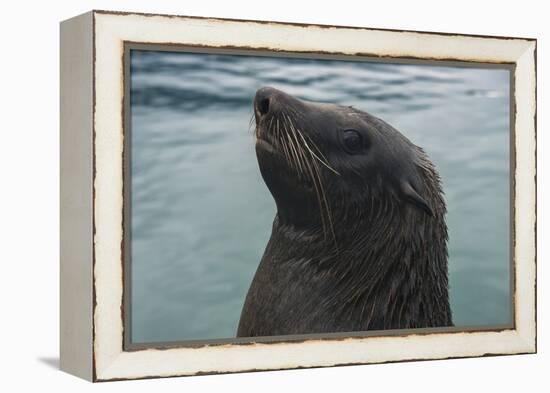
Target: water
point(202, 215)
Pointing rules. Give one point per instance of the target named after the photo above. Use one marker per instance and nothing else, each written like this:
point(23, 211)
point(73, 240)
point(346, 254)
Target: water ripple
point(201, 214)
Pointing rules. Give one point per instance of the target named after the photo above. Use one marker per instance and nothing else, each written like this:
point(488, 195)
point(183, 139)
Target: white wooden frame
point(92, 132)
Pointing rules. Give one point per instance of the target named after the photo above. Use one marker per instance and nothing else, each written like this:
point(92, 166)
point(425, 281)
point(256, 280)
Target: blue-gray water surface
point(201, 214)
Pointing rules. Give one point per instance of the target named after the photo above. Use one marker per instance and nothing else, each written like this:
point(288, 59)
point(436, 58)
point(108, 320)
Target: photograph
point(247, 195)
point(243, 196)
point(277, 195)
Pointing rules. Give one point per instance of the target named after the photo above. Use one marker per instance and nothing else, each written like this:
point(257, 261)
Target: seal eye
point(352, 141)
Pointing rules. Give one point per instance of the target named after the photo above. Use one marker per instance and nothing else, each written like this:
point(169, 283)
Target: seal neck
point(385, 264)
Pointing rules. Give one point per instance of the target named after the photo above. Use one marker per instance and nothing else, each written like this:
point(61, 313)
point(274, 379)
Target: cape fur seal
point(359, 241)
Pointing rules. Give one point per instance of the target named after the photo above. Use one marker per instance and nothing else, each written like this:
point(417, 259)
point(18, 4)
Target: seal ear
point(412, 196)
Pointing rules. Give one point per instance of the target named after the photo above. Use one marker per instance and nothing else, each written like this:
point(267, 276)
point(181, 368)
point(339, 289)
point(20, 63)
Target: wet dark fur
point(368, 253)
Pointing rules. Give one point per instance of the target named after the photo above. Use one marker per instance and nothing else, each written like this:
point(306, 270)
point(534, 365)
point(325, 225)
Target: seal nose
point(264, 101)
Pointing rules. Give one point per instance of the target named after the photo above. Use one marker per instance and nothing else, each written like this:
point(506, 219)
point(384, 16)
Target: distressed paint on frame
point(112, 363)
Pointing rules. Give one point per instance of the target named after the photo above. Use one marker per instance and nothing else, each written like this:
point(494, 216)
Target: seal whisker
point(283, 138)
point(279, 135)
point(321, 185)
point(270, 124)
point(316, 171)
point(293, 147)
point(327, 206)
point(282, 143)
point(315, 181)
point(316, 184)
point(286, 149)
point(323, 161)
point(294, 151)
point(300, 149)
point(316, 157)
point(317, 148)
point(296, 143)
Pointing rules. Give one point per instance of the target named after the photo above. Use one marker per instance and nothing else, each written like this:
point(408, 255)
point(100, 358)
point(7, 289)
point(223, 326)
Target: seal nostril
point(263, 106)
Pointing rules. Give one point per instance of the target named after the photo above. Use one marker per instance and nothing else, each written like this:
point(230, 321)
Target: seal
point(359, 241)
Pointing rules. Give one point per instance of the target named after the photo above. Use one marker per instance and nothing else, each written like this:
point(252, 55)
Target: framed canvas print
point(247, 195)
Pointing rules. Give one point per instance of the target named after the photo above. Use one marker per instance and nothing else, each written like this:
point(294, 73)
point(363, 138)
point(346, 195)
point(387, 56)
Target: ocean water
point(201, 214)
